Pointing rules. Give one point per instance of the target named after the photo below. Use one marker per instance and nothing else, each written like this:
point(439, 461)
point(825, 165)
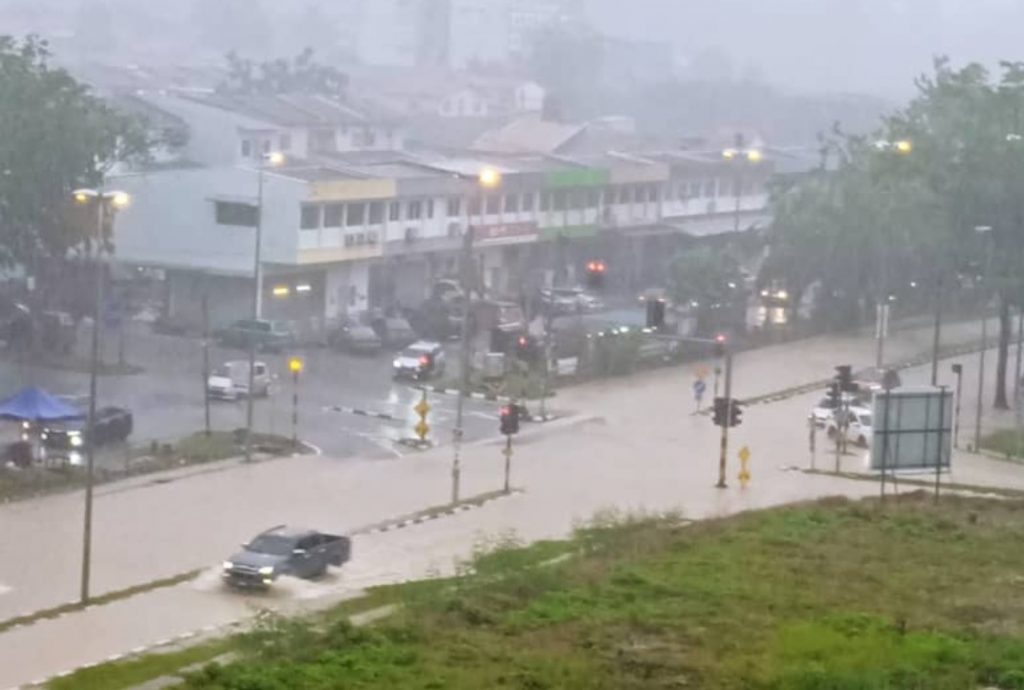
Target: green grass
point(1008, 442)
point(121, 675)
point(828, 596)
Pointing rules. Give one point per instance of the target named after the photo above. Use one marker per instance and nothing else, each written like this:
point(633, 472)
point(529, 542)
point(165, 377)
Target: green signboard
point(568, 232)
point(577, 177)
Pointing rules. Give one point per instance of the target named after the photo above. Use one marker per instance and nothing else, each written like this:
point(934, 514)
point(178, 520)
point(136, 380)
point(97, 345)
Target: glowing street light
point(489, 178)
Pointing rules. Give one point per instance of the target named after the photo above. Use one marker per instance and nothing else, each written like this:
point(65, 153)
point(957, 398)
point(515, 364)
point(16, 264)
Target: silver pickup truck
point(285, 551)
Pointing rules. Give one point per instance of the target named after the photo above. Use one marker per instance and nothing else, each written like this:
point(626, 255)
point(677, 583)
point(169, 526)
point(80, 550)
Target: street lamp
point(488, 178)
point(273, 159)
point(984, 231)
point(739, 155)
point(101, 200)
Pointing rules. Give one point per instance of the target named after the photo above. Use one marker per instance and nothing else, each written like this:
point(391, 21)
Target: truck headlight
point(227, 565)
point(396, 364)
point(266, 570)
point(76, 441)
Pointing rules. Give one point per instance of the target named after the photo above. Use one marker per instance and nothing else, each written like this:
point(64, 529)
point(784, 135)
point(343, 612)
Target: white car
point(421, 360)
point(858, 430)
point(570, 300)
point(230, 381)
point(823, 412)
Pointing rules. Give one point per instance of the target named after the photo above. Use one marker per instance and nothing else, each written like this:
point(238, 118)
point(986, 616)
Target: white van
point(230, 381)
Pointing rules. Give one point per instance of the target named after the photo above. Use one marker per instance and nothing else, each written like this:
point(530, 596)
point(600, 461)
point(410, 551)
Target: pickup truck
point(285, 551)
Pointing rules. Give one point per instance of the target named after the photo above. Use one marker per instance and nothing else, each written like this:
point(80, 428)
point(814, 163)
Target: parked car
point(284, 550)
point(858, 429)
point(825, 409)
point(356, 338)
point(394, 331)
point(264, 335)
point(230, 381)
point(419, 361)
point(113, 425)
point(569, 300)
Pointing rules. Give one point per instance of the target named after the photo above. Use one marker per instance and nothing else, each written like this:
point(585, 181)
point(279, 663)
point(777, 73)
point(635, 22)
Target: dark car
point(265, 336)
point(420, 361)
point(394, 331)
point(113, 425)
point(355, 338)
point(285, 551)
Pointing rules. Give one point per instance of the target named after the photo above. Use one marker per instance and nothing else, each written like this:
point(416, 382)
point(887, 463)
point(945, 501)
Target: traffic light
point(596, 271)
point(525, 348)
point(735, 413)
point(833, 395)
point(720, 415)
point(720, 341)
point(510, 420)
point(655, 313)
point(844, 376)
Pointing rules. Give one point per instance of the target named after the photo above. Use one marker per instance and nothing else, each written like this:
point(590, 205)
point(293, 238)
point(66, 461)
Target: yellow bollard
point(744, 475)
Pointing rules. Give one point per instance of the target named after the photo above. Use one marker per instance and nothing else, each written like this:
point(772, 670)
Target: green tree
point(54, 136)
point(302, 74)
point(710, 280)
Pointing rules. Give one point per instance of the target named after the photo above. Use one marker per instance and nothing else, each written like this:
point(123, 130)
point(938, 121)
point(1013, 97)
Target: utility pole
point(547, 365)
point(937, 332)
point(467, 292)
point(90, 439)
point(724, 450)
point(206, 361)
point(983, 230)
point(1020, 346)
point(958, 370)
point(257, 310)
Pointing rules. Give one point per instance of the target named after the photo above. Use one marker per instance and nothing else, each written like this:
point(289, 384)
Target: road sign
point(422, 429)
point(744, 454)
point(699, 388)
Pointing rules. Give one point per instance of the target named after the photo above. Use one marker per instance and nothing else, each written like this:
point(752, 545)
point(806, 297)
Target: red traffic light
point(596, 267)
point(720, 338)
point(522, 341)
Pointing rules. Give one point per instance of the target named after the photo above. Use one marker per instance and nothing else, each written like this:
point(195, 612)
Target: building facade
point(341, 239)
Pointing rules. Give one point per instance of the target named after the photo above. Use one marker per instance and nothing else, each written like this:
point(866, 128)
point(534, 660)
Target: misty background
point(783, 68)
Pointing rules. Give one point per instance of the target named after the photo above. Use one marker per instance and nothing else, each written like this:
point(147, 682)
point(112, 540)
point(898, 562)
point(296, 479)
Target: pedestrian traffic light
point(833, 395)
point(720, 415)
point(720, 342)
point(655, 313)
point(596, 271)
point(510, 420)
point(735, 413)
point(958, 369)
point(844, 375)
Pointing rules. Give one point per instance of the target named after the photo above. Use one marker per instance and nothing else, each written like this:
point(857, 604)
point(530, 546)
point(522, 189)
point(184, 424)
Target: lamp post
point(488, 178)
point(295, 366)
point(738, 155)
point(268, 160)
point(883, 307)
point(100, 199)
point(983, 230)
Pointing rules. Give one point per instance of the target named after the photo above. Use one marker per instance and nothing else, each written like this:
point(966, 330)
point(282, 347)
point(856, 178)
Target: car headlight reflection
point(227, 565)
point(267, 570)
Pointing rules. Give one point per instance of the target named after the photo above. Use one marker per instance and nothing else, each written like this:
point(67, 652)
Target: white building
point(231, 130)
point(378, 231)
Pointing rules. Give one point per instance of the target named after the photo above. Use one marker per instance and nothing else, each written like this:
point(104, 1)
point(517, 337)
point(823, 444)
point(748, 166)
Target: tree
point(710, 281)
point(54, 136)
point(300, 75)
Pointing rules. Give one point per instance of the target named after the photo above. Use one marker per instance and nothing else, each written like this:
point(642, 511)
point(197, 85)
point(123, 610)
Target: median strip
point(109, 597)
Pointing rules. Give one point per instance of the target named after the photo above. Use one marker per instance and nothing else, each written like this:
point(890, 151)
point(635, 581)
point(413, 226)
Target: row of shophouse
point(346, 228)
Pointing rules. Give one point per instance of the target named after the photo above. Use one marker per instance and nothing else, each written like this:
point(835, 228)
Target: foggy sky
point(869, 46)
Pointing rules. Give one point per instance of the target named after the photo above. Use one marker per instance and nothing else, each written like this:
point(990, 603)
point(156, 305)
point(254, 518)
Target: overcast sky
point(874, 46)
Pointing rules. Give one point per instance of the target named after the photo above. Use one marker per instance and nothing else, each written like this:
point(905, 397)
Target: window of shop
point(474, 206)
point(376, 213)
point(241, 215)
point(625, 195)
point(511, 203)
point(493, 204)
point(415, 210)
point(528, 202)
point(558, 200)
point(310, 219)
point(334, 215)
point(356, 214)
point(593, 198)
point(710, 188)
point(454, 206)
point(395, 211)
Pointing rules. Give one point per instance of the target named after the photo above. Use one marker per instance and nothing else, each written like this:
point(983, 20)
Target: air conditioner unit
point(412, 234)
point(454, 230)
point(349, 240)
point(360, 238)
point(372, 237)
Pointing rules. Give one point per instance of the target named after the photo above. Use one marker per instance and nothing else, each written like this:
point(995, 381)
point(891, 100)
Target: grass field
point(834, 595)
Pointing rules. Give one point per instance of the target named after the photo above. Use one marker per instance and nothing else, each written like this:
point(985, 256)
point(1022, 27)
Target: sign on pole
point(912, 429)
point(699, 388)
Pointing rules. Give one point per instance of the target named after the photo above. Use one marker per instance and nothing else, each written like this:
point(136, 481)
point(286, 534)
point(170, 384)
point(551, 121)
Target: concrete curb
point(431, 515)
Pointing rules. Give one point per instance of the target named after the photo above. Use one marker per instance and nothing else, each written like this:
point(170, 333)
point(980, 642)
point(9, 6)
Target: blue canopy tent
point(36, 405)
